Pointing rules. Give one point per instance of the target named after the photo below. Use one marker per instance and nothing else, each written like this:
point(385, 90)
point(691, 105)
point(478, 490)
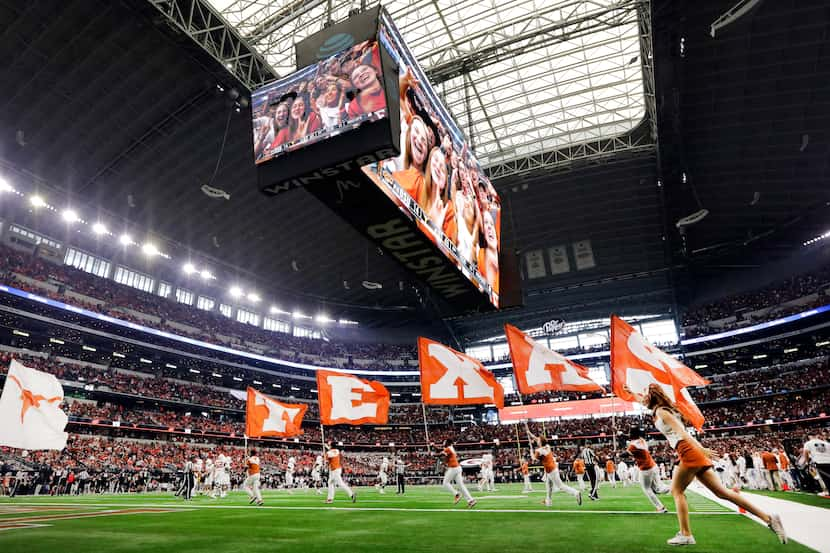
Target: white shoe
point(776, 526)
point(680, 539)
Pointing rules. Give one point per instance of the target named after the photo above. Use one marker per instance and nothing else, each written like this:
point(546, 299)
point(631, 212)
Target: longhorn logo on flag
point(449, 377)
point(540, 369)
point(636, 364)
point(347, 399)
point(265, 416)
point(30, 413)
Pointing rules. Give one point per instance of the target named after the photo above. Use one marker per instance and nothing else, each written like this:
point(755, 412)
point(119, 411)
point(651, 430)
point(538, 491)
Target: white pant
point(553, 483)
point(528, 487)
point(251, 486)
point(581, 479)
point(651, 484)
point(289, 479)
point(335, 481)
point(383, 478)
point(454, 475)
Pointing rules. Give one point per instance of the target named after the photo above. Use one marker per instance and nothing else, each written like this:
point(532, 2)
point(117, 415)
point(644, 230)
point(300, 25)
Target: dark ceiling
point(123, 114)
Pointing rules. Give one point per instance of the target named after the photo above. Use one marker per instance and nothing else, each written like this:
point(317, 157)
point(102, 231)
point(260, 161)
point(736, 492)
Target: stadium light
point(37, 201)
point(217, 375)
point(69, 215)
point(324, 319)
point(206, 275)
point(145, 360)
point(820, 344)
point(56, 341)
point(150, 249)
point(88, 348)
point(253, 297)
point(760, 356)
point(236, 292)
point(237, 379)
point(5, 186)
point(119, 355)
point(730, 362)
point(20, 333)
point(188, 268)
point(194, 371)
point(276, 386)
point(257, 382)
point(300, 315)
point(818, 238)
point(790, 350)
point(99, 228)
point(701, 366)
point(170, 366)
point(125, 240)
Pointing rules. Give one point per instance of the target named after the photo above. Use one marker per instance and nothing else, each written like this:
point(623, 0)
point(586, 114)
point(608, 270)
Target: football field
point(424, 519)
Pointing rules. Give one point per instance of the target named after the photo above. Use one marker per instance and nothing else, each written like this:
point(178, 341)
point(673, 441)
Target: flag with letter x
point(449, 377)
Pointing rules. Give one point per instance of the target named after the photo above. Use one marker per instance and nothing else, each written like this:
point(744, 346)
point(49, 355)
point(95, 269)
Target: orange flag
point(540, 369)
point(636, 364)
point(265, 416)
point(347, 399)
point(449, 377)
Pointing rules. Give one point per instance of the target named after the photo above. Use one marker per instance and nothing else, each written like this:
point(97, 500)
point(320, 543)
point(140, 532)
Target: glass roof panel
point(540, 74)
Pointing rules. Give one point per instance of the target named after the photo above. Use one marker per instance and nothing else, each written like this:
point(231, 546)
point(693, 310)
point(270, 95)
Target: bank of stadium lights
point(37, 201)
point(276, 386)
point(150, 249)
point(88, 348)
point(189, 268)
point(5, 186)
point(194, 371)
point(100, 228)
point(323, 319)
point(237, 379)
point(730, 362)
point(818, 238)
point(300, 315)
point(119, 355)
point(701, 366)
point(235, 292)
point(821, 344)
point(145, 360)
point(760, 356)
point(20, 333)
point(170, 366)
point(257, 382)
point(790, 350)
point(346, 322)
point(56, 341)
point(217, 375)
point(125, 240)
point(206, 275)
point(253, 297)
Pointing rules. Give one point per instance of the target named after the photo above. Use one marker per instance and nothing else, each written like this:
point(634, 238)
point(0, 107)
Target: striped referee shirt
point(588, 456)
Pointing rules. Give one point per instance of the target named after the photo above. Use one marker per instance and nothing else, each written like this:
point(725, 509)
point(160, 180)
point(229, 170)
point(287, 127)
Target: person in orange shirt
point(488, 256)
point(784, 466)
point(416, 149)
point(647, 468)
point(525, 470)
point(553, 482)
point(770, 461)
point(611, 472)
point(336, 474)
point(453, 474)
point(251, 484)
point(579, 470)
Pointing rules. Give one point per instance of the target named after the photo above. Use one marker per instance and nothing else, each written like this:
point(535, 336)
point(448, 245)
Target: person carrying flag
point(453, 474)
point(252, 482)
point(553, 482)
point(336, 474)
point(525, 470)
point(647, 468)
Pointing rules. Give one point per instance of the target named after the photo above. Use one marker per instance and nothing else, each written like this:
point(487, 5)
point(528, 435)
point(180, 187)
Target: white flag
point(30, 413)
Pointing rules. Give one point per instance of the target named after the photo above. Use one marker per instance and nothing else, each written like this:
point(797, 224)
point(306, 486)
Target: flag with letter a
point(449, 377)
point(265, 416)
point(30, 413)
point(540, 369)
point(347, 399)
point(636, 364)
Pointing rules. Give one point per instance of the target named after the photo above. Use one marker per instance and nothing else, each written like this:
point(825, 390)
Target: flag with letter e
point(265, 416)
point(449, 377)
point(30, 413)
point(540, 369)
point(347, 399)
point(636, 364)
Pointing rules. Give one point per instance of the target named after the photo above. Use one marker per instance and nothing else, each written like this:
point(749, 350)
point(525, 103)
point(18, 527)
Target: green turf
point(798, 497)
point(424, 520)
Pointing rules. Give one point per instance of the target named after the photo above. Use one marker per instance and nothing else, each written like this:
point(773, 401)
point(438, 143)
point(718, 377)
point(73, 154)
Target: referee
point(188, 481)
point(590, 459)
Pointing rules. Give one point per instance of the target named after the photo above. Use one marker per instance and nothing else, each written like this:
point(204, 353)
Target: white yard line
point(804, 523)
point(459, 509)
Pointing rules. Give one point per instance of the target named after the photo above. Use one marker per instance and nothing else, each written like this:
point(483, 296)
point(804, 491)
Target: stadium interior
point(662, 161)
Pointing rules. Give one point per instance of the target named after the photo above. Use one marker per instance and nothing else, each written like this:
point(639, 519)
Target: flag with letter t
point(30, 413)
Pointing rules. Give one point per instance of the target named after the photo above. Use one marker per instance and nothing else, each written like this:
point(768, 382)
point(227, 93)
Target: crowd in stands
point(697, 321)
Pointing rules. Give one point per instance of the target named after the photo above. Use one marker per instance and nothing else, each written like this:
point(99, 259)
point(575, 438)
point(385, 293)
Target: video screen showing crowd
point(437, 179)
point(319, 101)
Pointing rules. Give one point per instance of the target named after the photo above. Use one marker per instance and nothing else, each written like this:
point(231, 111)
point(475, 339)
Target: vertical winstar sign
point(449, 377)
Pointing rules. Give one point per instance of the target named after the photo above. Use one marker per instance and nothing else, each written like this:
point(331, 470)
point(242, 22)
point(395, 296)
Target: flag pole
point(613, 424)
point(246, 445)
point(426, 426)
